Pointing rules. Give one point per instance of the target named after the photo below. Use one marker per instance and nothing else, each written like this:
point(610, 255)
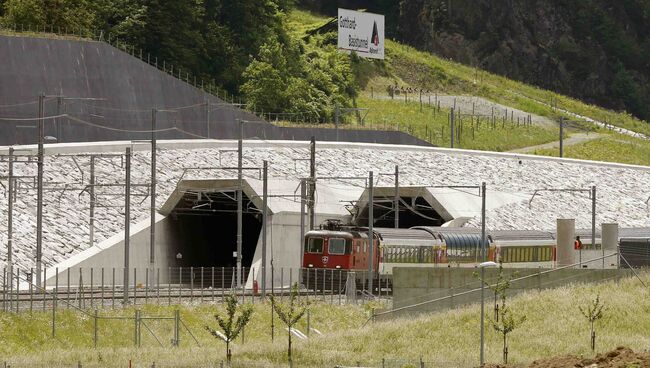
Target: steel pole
point(127, 224)
point(593, 223)
point(152, 226)
point(312, 183)
point(396, 199)
point(39, 195)
point(265, 189)
point(483, 256)
point(303, 191)
point(10, 220)
point(91, 190)
point(336, 122)
point(451, 128)
point(239, 201)
point(207, 117)
point(371, 220)
point(561, 136)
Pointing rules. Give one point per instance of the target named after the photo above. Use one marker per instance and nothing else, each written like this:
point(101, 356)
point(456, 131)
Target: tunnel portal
point(203, 229)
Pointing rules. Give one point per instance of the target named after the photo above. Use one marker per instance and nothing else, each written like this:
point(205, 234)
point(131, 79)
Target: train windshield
point(314, 245)
point(339, 246)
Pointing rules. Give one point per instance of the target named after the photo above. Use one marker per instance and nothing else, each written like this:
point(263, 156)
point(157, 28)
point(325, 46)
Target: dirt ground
point(622, 357)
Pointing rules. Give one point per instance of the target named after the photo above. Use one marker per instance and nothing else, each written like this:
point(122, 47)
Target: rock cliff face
point(596, 50)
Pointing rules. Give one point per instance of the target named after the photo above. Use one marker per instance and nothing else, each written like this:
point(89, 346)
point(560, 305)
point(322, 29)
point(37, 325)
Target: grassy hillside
point(406, 67)
point(554, 326)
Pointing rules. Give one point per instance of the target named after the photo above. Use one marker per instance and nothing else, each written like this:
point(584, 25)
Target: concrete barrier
point(437, 289)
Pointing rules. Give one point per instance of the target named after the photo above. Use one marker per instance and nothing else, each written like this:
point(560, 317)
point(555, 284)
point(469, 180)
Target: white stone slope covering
point(621, 196)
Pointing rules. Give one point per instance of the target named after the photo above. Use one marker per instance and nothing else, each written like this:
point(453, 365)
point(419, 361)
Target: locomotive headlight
point(338, 266)
point(310, 265)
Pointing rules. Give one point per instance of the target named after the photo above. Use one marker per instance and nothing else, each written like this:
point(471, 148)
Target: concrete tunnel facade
point(196, 227)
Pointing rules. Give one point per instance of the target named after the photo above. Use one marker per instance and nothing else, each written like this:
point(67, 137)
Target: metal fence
point(90, 288)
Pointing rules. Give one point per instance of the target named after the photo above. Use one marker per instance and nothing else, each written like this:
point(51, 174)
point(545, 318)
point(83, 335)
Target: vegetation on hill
point(554, 326)
point(596, 50)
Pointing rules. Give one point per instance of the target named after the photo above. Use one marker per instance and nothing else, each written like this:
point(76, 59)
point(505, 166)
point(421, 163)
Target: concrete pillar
point(610, 244)
point(566, 235)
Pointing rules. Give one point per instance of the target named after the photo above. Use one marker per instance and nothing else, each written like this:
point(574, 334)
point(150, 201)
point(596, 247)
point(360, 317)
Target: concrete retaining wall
point(452, 287)
point(131, 88)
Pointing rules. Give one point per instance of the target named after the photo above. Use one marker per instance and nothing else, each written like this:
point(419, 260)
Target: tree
point(23, 13)
point(507, 323)
point(499, 288)
point(230, 325)
point(290, 314)
point(593, 312)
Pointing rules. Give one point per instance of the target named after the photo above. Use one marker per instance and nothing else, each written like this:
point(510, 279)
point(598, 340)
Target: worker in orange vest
point(577, 244)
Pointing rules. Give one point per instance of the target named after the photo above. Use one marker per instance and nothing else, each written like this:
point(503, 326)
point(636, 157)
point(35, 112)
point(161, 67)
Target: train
point(337, 246)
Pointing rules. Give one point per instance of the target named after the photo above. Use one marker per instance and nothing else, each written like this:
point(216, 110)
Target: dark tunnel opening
point(206, 235)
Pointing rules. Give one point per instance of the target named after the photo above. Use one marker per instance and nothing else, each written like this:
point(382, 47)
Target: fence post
point(113, 290)
point(102, 289)
point(146, 285)
point(4, 289)
point(158, 285)
point(212, 283)
point(44, 289)
point(176, 328)
point(136, 331)
point(202, 284)
point(80, 288)
point(91, 287)
point(31, 289)
point(191, 284)
point(17, 289)
point(54, 300)
point(95, 328)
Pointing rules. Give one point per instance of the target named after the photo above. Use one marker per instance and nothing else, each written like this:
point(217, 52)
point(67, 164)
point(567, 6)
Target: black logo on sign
point(375, 35)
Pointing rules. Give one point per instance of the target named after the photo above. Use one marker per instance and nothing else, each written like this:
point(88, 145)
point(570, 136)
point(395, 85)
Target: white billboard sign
point(362, 33)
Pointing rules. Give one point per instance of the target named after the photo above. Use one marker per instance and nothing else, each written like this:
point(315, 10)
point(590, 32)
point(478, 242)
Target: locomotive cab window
point(314, 245)
point(339, 246)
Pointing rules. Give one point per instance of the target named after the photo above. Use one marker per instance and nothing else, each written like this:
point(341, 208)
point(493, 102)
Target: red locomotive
point(347, 249)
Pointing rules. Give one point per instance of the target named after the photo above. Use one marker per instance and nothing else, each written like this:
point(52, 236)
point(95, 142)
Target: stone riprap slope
point(621, 197)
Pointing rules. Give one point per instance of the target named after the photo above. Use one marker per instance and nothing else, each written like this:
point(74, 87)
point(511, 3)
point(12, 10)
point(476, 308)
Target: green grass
point(611, 148)
point(554, 326)
point(433, 126)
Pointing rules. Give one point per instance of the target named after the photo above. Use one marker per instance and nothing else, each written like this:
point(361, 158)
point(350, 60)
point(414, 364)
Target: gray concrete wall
point(109, 254)
point(449, 287)
point(89, 69)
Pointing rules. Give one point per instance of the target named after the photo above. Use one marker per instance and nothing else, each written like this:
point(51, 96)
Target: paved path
point(573, 139)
